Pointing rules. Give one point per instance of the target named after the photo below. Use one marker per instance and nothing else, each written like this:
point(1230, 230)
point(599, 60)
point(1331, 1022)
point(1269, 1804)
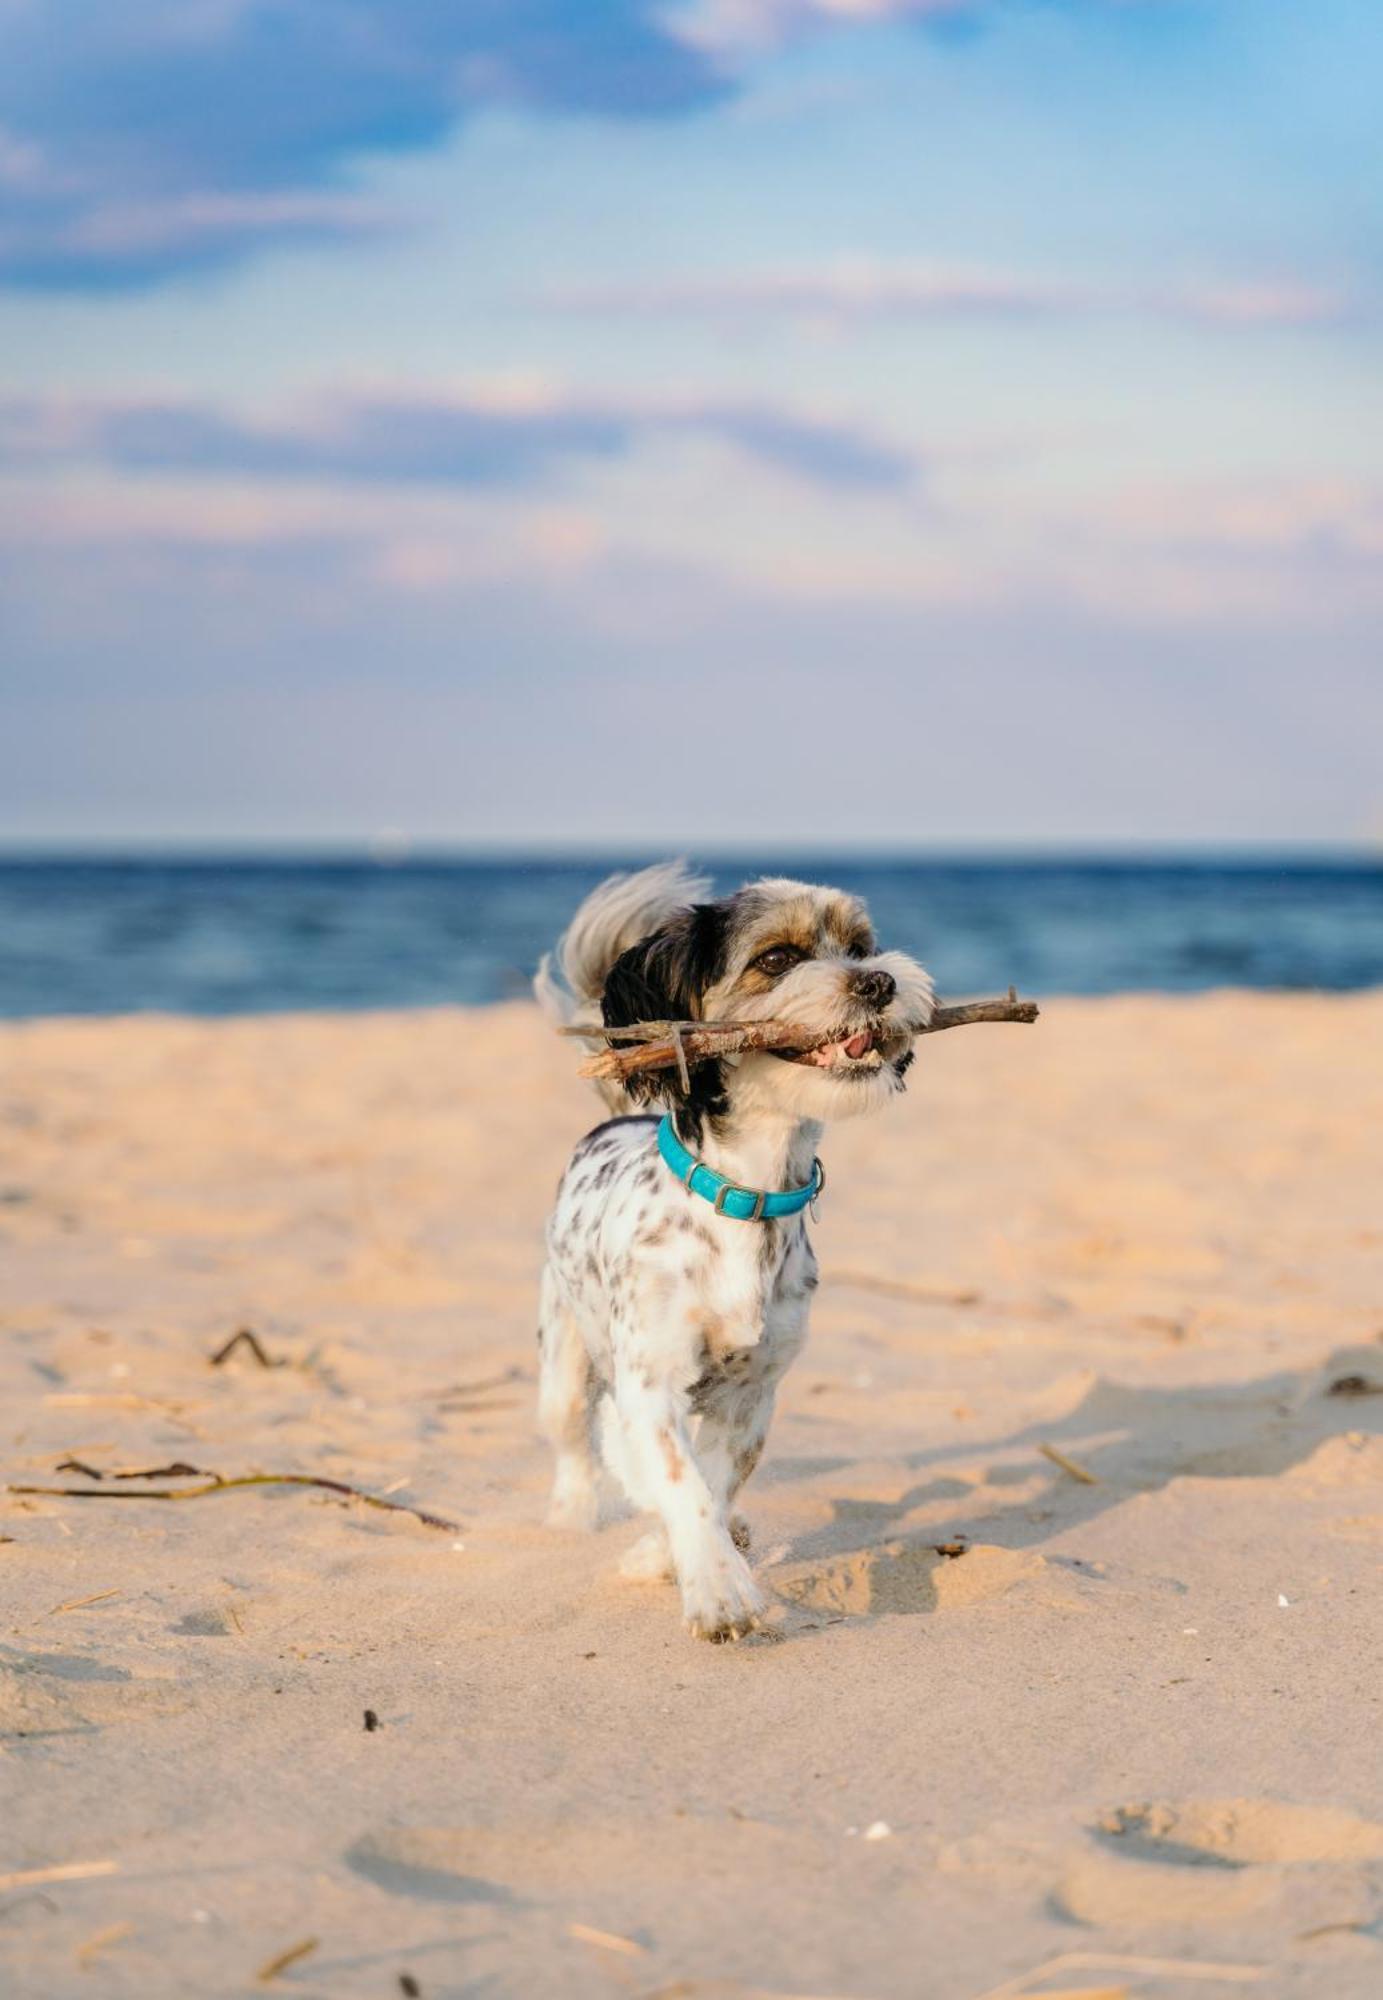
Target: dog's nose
point(876, 989)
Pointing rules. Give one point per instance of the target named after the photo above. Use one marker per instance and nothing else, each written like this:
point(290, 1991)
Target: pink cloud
point(858, 289)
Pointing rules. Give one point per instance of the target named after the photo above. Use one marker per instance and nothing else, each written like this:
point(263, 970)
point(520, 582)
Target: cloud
point(468, 441)
point(142, 139)
point(149, 137)
point(285, 693)
point(858, 289)
point(1321, 520)
point(151, 236)
point(158, 493)
point(735, 30)
point(743, 26)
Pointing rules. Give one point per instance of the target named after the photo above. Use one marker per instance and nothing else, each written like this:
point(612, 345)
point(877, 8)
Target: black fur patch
point(662, 978)
point(610, 1126)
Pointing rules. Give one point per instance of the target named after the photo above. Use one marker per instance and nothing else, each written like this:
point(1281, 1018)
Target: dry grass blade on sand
point(216, 1484)
point(62, 1871)
point(271, 1969)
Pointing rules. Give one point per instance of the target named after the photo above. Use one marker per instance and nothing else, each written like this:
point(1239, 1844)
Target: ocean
point(257, 935)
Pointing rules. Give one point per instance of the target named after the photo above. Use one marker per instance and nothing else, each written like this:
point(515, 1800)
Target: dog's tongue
point(851, 1050)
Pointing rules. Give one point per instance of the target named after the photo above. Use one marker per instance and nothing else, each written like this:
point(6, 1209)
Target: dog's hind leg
point(568, 1391)
point(649, 1560)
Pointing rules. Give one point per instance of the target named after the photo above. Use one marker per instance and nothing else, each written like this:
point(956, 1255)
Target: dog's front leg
point(720, 1599)
point(730, 1442)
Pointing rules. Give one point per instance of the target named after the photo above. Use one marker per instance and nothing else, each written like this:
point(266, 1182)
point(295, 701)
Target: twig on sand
point(117, 1399)
point(481, 1396)
point(245, 1337)
point(271, 1969)
point(177, 1470)
point(76, 1603)
point(675, 1044)
point(1071, 1466)
point(904, 1288)
point(112, 1934)
point(485, 1384)
point(1118, 1961)
point(64, 1871)
point(215, 1483)
point(606, 1940)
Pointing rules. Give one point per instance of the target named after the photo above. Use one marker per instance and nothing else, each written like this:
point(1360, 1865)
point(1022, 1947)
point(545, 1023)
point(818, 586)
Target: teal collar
point(745, 1204)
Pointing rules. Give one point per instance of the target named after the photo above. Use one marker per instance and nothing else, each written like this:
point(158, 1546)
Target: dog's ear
point(664, 977)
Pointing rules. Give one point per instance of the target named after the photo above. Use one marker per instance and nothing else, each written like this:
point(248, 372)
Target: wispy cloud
point(1315, 520)
point(142, 139)
point(190, 229)
point(744, 26)
point(858, 289)
point(474, 440)
point(354, 504)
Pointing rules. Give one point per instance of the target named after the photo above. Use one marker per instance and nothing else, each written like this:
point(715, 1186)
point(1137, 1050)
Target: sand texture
point(1128, 1742)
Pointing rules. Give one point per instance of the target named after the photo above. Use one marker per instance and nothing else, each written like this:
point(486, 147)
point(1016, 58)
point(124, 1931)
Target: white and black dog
point(674, 1299)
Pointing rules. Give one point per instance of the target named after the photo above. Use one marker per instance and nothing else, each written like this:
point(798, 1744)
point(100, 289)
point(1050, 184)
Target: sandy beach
point(1073, 1515)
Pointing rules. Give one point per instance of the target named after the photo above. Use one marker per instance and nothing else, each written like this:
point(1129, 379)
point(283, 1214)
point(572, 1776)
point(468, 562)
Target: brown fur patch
point(844, 923)
point(711, 1328)
point(745, 1460)
point(672, 1457)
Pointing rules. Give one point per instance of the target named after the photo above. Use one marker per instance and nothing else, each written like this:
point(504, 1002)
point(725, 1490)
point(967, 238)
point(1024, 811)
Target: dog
point(679, 1271)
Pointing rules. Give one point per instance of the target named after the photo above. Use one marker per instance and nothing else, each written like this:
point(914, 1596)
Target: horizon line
point(387, 852)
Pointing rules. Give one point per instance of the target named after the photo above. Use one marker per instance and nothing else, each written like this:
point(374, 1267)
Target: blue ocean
point(237, 936)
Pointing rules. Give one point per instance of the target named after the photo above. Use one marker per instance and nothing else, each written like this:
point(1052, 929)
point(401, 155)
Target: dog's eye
point(859, 948)
point(778, 959)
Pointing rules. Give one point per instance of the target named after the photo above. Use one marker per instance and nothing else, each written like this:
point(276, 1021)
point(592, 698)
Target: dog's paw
point(648, 1560)
point(720, 1599)
point(575, 1500)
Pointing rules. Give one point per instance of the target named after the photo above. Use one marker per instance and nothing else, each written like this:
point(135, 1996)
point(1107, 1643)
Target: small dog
point(674, 1298)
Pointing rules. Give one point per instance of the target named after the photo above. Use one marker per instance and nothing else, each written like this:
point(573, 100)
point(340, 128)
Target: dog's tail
point(625, 908)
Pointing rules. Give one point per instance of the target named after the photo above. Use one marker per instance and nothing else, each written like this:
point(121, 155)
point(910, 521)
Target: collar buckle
point(727, 1188)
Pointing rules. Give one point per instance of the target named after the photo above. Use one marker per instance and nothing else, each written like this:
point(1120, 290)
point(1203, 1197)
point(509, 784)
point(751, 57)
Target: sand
point(1133, 1735)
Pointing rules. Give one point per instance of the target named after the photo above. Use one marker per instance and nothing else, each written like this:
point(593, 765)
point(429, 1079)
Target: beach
point(1072, 1515)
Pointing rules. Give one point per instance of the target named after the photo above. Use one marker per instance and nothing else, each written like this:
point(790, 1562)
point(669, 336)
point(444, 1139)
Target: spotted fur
point(665, 1328)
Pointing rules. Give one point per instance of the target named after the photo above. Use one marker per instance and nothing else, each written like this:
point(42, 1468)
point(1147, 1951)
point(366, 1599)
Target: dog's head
point(777, 951)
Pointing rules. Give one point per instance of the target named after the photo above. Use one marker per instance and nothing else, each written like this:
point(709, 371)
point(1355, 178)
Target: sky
point(922, 423)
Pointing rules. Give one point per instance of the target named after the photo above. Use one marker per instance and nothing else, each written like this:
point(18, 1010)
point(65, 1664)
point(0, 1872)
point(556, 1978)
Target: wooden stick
point(665, 1044)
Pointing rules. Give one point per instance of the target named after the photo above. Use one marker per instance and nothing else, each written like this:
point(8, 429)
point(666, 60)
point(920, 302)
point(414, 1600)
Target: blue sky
point(933, 422)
